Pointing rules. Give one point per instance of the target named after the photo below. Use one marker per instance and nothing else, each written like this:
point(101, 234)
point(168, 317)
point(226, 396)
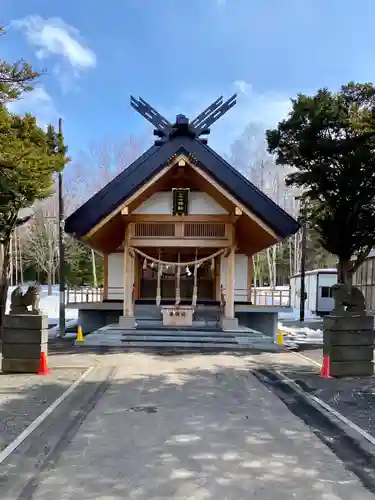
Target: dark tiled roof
point(152, 161)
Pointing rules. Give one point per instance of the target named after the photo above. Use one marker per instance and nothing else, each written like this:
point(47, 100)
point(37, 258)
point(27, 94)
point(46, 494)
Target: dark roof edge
point(118, 178)
point(253, 186)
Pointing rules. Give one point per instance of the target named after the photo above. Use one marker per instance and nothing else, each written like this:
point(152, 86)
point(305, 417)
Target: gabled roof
point(152, 161)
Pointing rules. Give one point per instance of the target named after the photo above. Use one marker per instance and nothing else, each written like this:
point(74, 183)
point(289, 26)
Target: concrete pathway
point(199, 427)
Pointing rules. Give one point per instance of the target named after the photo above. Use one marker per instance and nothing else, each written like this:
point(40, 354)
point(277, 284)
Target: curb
point(362, 438)
point(345, 442)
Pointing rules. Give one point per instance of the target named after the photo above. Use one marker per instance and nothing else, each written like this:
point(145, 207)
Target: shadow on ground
point(170, 430)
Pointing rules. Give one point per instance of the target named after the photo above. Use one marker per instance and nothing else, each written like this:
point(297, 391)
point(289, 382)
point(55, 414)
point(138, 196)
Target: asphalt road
point(198, 427)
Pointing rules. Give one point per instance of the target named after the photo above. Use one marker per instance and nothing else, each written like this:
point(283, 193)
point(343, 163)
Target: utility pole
point(61, 251)
point(303, 266)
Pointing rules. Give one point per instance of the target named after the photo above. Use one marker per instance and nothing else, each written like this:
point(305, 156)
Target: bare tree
point(251, 158)
point(93, 168)
point(42, 249)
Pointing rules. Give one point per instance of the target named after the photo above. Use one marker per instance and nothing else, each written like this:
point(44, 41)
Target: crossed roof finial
point(197, 127)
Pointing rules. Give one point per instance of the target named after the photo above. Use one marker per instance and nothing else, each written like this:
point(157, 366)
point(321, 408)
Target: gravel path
point(24, 397)
point(354, 398)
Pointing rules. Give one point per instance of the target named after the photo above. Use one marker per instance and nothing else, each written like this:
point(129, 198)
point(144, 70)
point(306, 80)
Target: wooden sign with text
point(180, 201)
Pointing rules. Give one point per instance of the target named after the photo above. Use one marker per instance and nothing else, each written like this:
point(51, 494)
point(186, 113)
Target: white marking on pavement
point(31, 428)
point(307, 358)
point(327, 407)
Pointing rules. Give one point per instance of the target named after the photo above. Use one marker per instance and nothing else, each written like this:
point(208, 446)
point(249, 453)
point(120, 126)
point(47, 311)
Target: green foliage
point(79, 265)
point(329, 139)
point(15, 78)
point(78, 269)
point(27, 165)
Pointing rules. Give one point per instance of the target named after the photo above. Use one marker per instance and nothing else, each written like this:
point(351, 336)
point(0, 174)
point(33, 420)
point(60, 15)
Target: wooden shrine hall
point(177, 229)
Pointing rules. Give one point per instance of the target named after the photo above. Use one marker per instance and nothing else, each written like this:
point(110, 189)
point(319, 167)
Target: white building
point(318, 283)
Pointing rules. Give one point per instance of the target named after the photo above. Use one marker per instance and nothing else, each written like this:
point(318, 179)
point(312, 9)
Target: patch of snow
point(54, 331)
point(300, 335)
point(50, 305)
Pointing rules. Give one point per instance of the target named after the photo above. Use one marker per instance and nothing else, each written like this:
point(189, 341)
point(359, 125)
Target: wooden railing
point(262, 296)
point(91, 294)
point(270, 297)
point(258, 296)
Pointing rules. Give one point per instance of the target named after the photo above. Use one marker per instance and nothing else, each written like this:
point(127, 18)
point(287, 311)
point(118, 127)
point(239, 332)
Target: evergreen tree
point(29, 163)
point(15, 78)
point(329, 139)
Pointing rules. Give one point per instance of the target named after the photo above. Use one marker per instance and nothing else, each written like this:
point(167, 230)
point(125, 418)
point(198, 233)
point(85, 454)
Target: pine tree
point(329, 139)
point(28, 163)
point(15, 78)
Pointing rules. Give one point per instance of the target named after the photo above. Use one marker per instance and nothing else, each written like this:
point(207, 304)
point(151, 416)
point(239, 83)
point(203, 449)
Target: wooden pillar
point(131, 283)
point(218, 278)
point(137, 276)
point(105, 276)
point(127, 321)
point(249, 277)
point(229, 285)
point(128, 275)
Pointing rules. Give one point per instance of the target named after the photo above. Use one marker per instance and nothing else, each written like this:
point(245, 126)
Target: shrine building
point(177, 230)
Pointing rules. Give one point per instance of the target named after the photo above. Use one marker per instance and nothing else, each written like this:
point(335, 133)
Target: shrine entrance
point(206, 275)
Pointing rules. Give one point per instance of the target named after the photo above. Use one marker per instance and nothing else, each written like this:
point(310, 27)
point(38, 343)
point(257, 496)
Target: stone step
point(177, 333)
point(251, 335)
point(191, 345)
point(157, 325)
point(179, 342)
point(178, 339)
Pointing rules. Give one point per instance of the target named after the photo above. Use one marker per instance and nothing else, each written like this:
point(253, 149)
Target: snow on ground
point(49, 305)
point(300, 335)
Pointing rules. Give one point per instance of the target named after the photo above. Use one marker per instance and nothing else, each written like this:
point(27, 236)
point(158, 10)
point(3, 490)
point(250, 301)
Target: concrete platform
point(244, 338)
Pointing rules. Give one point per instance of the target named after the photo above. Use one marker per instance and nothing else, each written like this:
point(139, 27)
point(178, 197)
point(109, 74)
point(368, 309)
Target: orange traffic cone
point(325, 372)
point(43, 365)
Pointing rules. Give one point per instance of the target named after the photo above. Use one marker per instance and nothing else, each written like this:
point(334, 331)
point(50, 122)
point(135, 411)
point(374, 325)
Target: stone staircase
point(206, 317)
point(205, 333)
point(114, 336)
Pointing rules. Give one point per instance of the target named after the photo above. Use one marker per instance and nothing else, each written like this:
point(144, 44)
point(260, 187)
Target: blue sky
point(180, 56)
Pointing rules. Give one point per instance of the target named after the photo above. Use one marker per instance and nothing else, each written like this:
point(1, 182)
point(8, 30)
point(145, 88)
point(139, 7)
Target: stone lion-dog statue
point(348, 300)
point(20, 302)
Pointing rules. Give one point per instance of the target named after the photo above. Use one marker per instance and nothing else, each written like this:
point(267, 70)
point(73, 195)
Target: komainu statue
point(20, 302)
point(349, 300)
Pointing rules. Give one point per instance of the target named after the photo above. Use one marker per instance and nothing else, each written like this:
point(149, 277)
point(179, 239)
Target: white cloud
point(265, 109)
point(54, 38)
point(39, 103)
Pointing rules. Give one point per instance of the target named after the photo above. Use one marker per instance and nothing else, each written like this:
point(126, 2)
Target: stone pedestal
point(229, 324)
point(349, 343)
point(127, 322)
point(25, 338)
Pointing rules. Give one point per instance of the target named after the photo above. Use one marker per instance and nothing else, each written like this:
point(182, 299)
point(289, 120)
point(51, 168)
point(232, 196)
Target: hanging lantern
point(152, 265)
point(145, 264)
